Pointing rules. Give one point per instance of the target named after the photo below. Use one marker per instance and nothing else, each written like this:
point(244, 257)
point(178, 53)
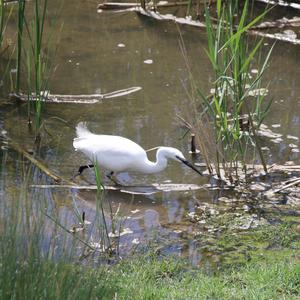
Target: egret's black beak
point(189, 165)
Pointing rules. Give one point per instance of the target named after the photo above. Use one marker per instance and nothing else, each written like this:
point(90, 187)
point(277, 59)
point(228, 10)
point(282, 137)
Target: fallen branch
point(74, 99)
point(16, 147)
point(134, 189)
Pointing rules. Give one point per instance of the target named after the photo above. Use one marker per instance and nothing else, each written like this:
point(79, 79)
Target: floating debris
point(257, 187)
point(277, 140)
point(118, 234)
point(289, 34)
point(148, 61)
point(265, 131)
point(258, 92)
point(276, 125)
point(292, 137)
point(293, 146)
point(135, 241)
point(76, 228)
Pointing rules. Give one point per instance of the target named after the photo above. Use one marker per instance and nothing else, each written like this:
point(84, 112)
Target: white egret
point(118, 154)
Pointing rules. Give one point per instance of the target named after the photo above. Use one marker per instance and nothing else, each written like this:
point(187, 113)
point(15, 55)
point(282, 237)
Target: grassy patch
point(148, 277)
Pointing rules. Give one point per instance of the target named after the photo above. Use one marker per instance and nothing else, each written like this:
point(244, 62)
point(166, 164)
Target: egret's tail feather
point(82, 130)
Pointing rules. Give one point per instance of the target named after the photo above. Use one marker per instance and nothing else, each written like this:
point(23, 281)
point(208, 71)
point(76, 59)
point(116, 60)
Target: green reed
point(2, 15)
point(32, 46)
point(39, 64)
point(237, 105)
point(104, 241)
point(21, 22)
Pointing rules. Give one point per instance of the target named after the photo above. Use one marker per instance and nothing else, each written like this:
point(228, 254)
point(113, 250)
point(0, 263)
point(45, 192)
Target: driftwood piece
point(75, 99)
point(280, 23)
point(188, 21)
point(168, 17)
point(276, 36)
point(163, 17)
point(281, 3)
point(134, 189)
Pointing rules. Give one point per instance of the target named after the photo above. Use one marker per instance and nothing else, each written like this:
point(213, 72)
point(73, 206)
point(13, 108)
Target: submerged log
point(74, 99)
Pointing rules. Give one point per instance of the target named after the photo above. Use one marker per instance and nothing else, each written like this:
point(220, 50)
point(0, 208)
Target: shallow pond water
point(101, 53)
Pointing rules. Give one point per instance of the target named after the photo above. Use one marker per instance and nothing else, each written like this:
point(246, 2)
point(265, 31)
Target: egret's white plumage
point(119, 154)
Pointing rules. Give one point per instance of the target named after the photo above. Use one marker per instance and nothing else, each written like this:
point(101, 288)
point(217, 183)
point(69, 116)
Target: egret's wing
point(111, 152)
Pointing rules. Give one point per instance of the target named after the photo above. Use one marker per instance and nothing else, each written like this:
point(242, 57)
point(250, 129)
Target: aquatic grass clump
point(2, 15)
point(104, 240)
point(39, 63)
point(21, 22)
point(237, 104)
point(31, 55)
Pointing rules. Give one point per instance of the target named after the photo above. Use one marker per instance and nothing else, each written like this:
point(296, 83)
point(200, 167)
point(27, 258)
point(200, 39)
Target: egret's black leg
point(81, 169)
point(111, 177)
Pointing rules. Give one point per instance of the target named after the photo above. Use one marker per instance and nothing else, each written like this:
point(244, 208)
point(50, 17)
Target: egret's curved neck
point(155, 167)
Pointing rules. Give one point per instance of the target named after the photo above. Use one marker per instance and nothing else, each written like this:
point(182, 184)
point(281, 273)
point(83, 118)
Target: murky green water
point(100, 53)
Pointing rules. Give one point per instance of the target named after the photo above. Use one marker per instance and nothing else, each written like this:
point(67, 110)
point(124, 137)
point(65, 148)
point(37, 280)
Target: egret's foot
point(80, 170)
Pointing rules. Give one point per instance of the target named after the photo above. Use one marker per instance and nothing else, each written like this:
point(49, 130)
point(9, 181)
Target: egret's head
point(177, 155)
